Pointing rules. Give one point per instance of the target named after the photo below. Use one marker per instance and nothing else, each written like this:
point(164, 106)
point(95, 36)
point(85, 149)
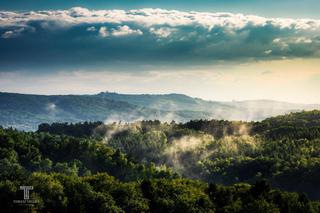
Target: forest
point(152, 166)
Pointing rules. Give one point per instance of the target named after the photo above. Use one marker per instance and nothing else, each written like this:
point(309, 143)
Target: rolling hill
point(25, 112)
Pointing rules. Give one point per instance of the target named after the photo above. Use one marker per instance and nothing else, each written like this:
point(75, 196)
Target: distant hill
point(234, 110)
point(171, 102)
point(25, 112)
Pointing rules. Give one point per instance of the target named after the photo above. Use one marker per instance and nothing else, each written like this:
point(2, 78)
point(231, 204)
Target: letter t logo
point(26, 190)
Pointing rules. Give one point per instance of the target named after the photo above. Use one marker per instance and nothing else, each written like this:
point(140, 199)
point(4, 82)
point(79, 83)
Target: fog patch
point(51, 107)
point(183, 153)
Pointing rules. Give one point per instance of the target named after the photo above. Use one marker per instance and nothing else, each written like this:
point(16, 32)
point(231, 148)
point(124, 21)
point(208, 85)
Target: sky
point(212, 49)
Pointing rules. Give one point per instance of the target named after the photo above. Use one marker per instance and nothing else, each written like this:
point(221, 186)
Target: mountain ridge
point(26, 111)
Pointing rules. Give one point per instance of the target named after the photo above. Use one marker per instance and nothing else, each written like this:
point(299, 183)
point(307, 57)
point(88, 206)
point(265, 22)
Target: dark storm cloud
point(82, 37)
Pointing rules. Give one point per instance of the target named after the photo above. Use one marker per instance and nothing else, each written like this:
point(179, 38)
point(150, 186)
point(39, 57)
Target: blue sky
point(270, 8)
point(217, 50)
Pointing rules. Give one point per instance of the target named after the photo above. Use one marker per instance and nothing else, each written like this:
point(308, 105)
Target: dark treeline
point(84, 129)
point(305, 125)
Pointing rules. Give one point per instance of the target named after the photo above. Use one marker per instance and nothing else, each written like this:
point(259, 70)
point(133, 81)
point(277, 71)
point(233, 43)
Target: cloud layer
point(83, 37)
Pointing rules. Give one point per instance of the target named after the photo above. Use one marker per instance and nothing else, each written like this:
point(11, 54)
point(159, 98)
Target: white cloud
point(162, 32)
point(91, 29)
point(12, 33)
point(201, 35)
point(281, 43)
point(277, 40)
point(103, 32)
point(303, 40)
point(154, 17)
point(268, 52)
point(7, 34)
point(80, 12)
point(125, 30)
point(118, 32)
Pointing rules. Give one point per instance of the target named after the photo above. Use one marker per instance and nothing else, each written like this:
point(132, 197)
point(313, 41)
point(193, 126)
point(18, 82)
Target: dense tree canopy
point(150, 166)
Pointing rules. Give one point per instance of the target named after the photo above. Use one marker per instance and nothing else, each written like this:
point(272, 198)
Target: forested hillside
point(26, 112)
point(166, 167)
